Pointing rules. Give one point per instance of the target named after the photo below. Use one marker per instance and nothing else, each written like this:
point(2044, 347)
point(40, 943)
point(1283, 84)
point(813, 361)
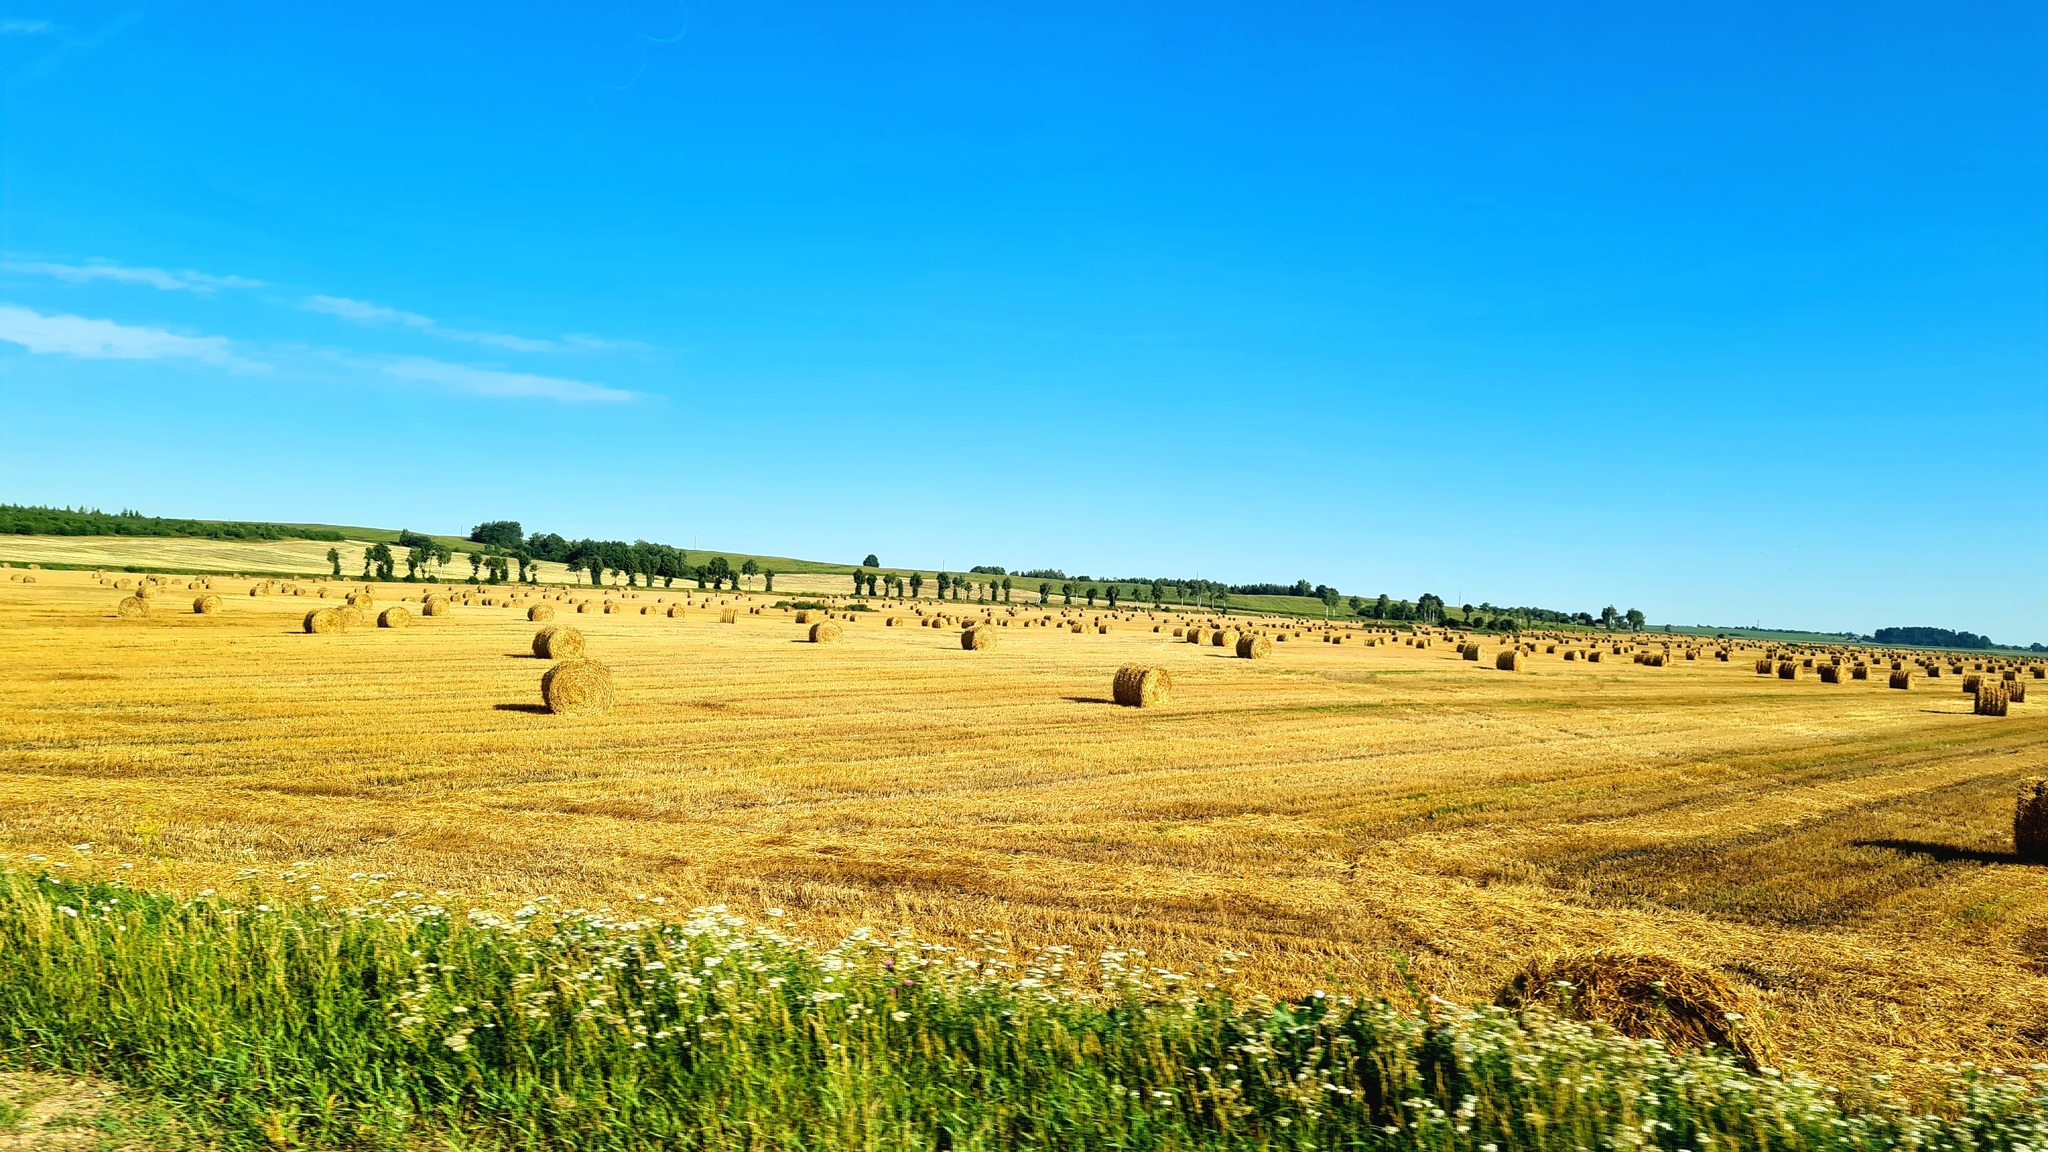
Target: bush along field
point(398, 1022)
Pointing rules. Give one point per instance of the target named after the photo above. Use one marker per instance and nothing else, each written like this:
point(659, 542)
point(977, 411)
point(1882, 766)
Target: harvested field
point(1335, 811)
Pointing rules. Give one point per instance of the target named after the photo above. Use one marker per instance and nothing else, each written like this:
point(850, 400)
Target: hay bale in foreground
point(1902, 680)
point(206, 605)
point(577, 686)
point(431, 605)
point(1646, 997)
point(2030, 821)
point(558, 642)
point(1223, 638)
point(1788, 670)
point(1139, 686)
point(540, 613)
point(978, 639)
point(1992, 698)
point(1254, 647)
point(825, 632)
point(324, 621)
point(132, 608)
point(396, 616)
point(1831, 673)
point(1511, 660)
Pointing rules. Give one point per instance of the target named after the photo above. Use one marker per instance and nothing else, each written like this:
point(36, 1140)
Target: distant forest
point(29, 520)
point(1930, 638)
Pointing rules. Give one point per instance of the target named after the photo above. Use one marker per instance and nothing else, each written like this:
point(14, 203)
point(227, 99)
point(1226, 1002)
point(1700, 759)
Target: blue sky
point(1730, 313)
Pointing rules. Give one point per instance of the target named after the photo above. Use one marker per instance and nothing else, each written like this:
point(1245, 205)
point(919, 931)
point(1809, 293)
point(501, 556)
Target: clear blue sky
point(1729, 313)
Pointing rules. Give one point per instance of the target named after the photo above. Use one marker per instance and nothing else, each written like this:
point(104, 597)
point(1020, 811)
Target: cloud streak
point(90, 339)
point(186, 281)
point(364, 312)
point(489, 382)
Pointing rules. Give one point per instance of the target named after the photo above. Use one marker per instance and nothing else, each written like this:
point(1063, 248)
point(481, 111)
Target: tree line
point(35, 520)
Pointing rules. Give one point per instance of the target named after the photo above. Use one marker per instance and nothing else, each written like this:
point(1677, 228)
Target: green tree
point(768, 579)
point(1006, 589)
point(860, 581)
point(1635, 620)
point(916, 585)
point(504, 535)
point(749, 568)
point(1112, 597)
point(334, 558)
point(1067, 592)
point(1045, 592)
point(871, 562)
point(1608, 616)
point(1381, 607)
point(1092, 592)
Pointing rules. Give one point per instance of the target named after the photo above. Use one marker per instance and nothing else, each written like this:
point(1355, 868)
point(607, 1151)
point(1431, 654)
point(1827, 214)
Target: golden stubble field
point(1346, 816)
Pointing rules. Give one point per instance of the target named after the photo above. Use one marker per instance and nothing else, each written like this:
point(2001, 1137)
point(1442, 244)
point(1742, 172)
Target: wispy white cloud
point(490, 382)
point(186, 281)
point(65, 335)
point(364, 312)
point(25, 27)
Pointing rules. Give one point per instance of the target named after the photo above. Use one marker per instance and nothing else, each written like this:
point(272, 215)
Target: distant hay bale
point(1992, 698)
point(1193, 636)
point(1468, 651)
point(1831, 674)
point(1223, 638)
point(732, 616)
point(1253, 647)
point(351, 616)
point(540, 613)
point(1653, 660)
point(1971, 682)
point(2030, 821)
point(1102, 629)
point(2039, 672)
point(132, 608)
point(803, 617)
point(825, 632)
point(1571, 654)
point(1647, 997)
point(1511, 660)
point(206, 605)
point(396, 616)
point(556, 642)
point(583, 605)
point(323, 621)
point(1860, 672)
point(1902, 680)
point(1788, 670)
point(978, 639)
point(577, 686)
point(2016, 691)
point(1140, 686)
point(1593, 656)
point(432, 605)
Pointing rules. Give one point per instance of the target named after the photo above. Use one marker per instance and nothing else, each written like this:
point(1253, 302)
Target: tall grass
point(399, 1022)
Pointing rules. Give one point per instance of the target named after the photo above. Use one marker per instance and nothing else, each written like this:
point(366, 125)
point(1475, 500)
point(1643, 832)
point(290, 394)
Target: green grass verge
point(399, 1024)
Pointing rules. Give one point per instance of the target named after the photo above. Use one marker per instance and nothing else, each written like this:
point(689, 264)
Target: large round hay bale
point(804, 616)
point(978, 639)
point(1195, 636)
point(1647, 997)
point(432, 605)
point(1831, 673)
point(1788, 670)
point(1992, 698)
point(825, 632)
point(577, 686)
point(1139, 686)
point(351, 616)
point(322, 621)
point(1902, 679)
point(1254, 647)
point(132, 608)
point(1223, 638)
point(558, 643)
point(1511, 660)
point(675, 611)
point(540, 613)
point(396, 616)
point(2030, 821)
point(206, 605)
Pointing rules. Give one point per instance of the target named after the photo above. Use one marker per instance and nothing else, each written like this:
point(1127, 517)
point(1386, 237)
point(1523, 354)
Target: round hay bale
point(323, 621)
point(2030, 821)
point(132, 608)
point(1511, 660)
point(206, 605)
point(1254, 647)
point(1831, 674)
point(732, 615)
point(432, 605)
point(1788, 670)
point(583, 605)
point(540, 613)
point(1223, 638)
point(803, 617)
point(1902, 680)
point(1139, 686)
point(978, 639)
point(675, 611)
point(1992, 698)
point(558, 643)
point(577, 686)
point(825, 632)
point(396, 616)
point(1647, 997)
